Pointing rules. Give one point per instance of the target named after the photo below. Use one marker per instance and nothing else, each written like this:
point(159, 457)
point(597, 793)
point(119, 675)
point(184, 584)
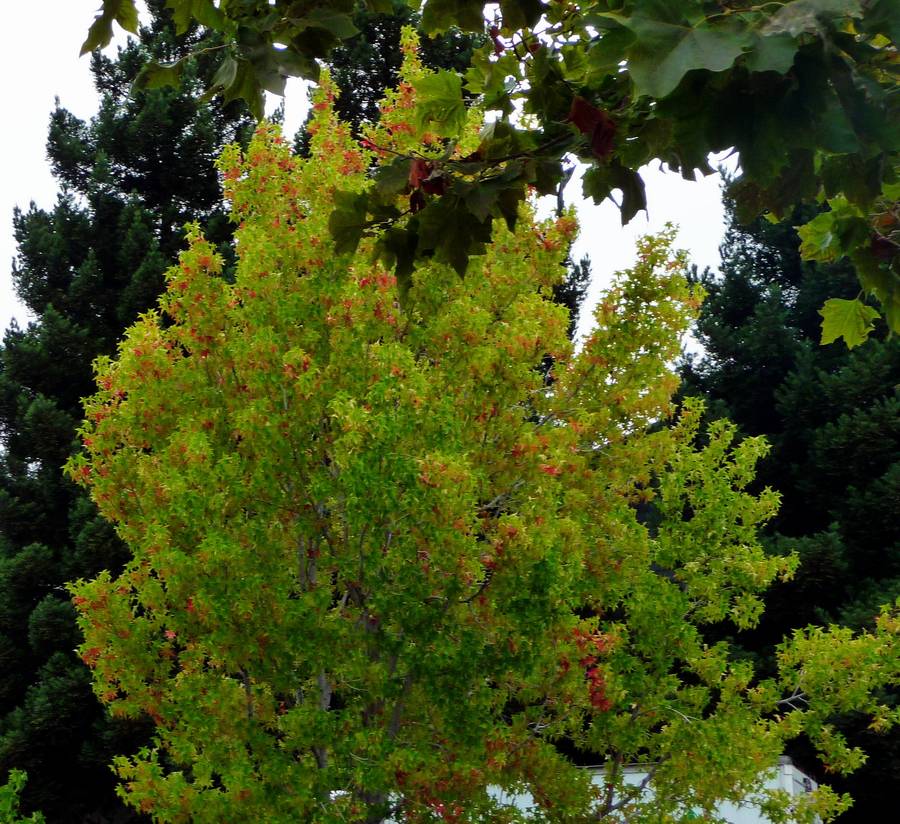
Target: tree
point(379, 565)
point(366, 64)
point(831, 416)
point(803, 90)
point(86, 268)
point(9, 801)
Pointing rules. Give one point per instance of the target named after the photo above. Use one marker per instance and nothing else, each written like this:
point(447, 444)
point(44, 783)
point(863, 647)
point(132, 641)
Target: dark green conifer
point(832, 416)
point(129, 180)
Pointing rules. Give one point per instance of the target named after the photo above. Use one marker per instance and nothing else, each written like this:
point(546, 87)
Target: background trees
point(129, 180)
point(833, 419)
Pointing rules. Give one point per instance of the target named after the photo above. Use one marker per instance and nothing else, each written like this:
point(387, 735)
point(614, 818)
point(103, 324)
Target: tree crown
point(380, 566)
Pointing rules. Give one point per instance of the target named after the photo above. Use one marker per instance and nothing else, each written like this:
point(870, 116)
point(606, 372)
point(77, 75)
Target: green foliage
point(851, 320)
point(663, 49)
point(380, 563)
point(9, 800)
point(845, 230)
point(100, 33)
point(366, 64)
point(804, 91)
point(442, 110)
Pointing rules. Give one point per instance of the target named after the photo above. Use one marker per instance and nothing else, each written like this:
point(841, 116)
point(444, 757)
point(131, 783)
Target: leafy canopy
point(381, 564)
point(804, 90)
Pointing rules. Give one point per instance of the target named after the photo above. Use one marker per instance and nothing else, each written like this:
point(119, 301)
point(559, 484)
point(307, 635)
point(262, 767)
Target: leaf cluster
point(805, 91)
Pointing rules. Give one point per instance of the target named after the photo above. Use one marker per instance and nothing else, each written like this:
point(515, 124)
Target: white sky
point(55, 69)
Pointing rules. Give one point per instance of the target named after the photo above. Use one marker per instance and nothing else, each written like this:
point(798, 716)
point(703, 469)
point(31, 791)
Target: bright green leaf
point(126, 15)
point(100, 33)
point(851, 320)
point(891, 190)
point(818, 239)
point(98, 36)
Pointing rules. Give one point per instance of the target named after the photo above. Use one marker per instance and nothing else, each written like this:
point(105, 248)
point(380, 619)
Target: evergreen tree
point(832, 416)
point(130, 179)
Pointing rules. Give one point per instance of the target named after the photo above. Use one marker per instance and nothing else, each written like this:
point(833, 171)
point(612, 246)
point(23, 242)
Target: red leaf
point(434, 184)
point(419, 170)
point(883, 248)
point(422, 175)
point(499, 45)
point(595, 123)
point(416, 201)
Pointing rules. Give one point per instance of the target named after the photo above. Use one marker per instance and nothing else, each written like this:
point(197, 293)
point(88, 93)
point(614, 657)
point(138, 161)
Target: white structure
point(785, 777)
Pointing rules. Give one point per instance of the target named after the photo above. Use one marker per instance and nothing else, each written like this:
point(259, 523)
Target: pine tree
point(832, 416)
point(130, 179)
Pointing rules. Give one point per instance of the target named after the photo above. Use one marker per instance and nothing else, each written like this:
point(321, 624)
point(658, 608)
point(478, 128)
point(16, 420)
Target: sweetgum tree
point(380, 566)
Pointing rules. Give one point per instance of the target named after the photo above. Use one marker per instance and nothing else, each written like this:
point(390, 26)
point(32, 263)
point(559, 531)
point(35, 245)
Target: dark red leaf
point(883, 248)
point(499, 45)
point(596, 124)
point(416, 201)
point(434, 184)
point(418, 171)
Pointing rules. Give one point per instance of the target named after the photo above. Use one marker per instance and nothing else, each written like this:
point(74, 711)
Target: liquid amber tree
point(379, 567)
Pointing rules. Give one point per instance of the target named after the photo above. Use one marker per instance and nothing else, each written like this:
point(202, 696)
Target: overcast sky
point(34, 76)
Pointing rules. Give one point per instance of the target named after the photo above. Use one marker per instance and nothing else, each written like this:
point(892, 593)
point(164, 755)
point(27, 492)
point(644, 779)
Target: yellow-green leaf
point(851, 320)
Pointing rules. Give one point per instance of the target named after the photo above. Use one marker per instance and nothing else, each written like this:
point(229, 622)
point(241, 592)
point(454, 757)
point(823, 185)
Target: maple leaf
point(851, 320)
point(596, 124)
